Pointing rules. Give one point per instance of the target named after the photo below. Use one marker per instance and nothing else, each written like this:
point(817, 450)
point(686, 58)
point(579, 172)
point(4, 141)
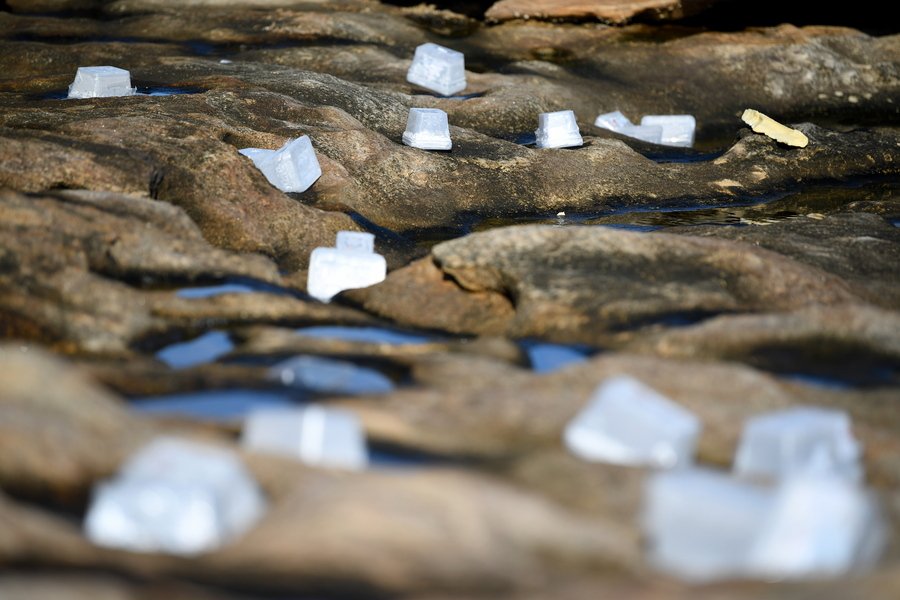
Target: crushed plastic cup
point(318, 436)
point(558, 130)
point(333, 270)
point(175, 496)
point(292, 168)
point(701, 525)
point(677, 130)
point(799, 441)
point(428, 129)
point(818, 526)
point(629, 423)
point(652, 134)
point(614, 121)
point(101, 82)
point(438, 69)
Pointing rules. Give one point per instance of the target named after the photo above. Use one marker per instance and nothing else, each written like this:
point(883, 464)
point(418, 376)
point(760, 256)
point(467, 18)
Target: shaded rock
point(814, 203)
point(580, 284)
point(853, 343)
point(61, 584)
point(610, 11)
point(142, 376)
point(860, 248)
point(271, 341)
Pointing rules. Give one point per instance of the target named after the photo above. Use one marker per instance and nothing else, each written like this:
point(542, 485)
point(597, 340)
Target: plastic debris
point(700, 524)
point(652, 134)
point(797, 441)
point(614, 121)
point(101, 82)
point(318, 436)
point(355, 241)
point(667, 130)
point(428, 129)
point(175, 496)
point(292, 168)
point(438, 69)
point(768, 126)
point(558, 130)
point(333, 270)
point(329, 376)
point(629, 423)
point(704, 526)
point(677, 130)
point(818, 526)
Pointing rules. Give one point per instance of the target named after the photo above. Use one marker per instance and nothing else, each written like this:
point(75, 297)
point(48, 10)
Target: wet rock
point(860, 248)
point(581, 284)
point(853, 343)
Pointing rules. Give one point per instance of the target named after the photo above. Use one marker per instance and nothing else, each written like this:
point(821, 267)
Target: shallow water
point(214, 290)
point(546, 357)
point(374, 335)
point(813, 202)
point(213, 405)
point(141, 91)
point(203, 349)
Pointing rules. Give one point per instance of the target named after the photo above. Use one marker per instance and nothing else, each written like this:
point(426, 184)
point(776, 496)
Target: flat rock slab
point(585, 284)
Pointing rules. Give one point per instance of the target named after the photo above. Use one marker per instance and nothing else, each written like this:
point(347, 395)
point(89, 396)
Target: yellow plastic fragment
point(760, 123)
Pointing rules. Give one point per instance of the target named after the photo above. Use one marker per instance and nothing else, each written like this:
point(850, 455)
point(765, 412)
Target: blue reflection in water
point(330, 376)
point(212, 405)
point(375, 335)
point(546, 357)
point(214, 290)
point(206, 348)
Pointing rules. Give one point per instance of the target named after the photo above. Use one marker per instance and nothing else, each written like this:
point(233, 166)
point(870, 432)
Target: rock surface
point(585, 284)
point(737, 277)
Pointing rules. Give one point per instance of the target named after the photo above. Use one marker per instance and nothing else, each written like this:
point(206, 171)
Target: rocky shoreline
point(739, 277)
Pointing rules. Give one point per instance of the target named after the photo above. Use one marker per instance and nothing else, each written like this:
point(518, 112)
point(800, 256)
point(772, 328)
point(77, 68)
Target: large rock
point(586, 284)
